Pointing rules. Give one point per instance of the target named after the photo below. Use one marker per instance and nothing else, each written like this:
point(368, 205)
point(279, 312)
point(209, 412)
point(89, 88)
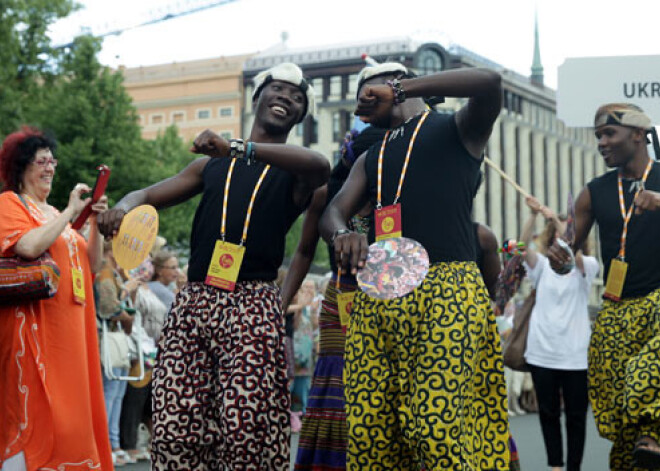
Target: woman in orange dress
point(52, 413)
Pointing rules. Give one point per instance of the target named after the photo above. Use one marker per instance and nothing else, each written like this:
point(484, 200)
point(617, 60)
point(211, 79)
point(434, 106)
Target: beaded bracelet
point(399, 92)
point(236, 148)
point(250, 151)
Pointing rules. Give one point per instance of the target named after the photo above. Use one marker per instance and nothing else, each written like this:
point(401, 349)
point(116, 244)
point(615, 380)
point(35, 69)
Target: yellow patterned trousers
point(624, 374)
point(424, 380)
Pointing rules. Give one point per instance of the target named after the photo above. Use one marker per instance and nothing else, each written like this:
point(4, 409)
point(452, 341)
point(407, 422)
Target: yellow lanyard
point(405, 162)
point(628, 215)
point(248, 216)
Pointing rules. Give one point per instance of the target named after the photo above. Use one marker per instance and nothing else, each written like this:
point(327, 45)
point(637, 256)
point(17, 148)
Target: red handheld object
point(97, 192)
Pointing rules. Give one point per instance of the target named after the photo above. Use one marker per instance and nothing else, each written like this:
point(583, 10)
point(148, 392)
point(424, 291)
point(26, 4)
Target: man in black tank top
point(220, 387)
point(624, 352)
point(421, 370)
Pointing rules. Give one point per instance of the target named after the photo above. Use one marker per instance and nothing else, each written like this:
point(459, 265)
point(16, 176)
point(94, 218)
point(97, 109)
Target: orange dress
point(51, 391)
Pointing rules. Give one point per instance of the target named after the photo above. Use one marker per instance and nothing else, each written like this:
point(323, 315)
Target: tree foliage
point(85, 106)
point(25, 55)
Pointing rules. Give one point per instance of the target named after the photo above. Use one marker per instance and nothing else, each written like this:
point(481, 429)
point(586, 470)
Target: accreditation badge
point(388, 222)
point(345, 306)
point(225, 264)
point(615, 279)
point(78, 285)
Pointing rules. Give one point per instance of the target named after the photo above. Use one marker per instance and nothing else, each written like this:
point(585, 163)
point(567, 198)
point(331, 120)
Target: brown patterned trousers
point(220, 397)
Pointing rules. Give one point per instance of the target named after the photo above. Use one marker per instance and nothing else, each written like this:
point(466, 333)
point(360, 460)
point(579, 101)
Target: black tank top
point(479, 255)
point(436, 199)
point(358, 224)
point(643, 241)
point(273, 214)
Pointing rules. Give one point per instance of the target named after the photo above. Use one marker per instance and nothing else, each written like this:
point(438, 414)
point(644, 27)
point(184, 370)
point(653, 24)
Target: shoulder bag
point(23, 280)
point(515, 344)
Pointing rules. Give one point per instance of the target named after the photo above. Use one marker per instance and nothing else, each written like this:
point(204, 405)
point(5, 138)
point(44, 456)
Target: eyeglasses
point(45, 162)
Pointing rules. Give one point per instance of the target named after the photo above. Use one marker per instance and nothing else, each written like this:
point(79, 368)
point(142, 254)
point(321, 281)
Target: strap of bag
point(20, 197)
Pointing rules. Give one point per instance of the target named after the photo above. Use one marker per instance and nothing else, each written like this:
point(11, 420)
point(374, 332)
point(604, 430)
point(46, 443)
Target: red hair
point(10, 156)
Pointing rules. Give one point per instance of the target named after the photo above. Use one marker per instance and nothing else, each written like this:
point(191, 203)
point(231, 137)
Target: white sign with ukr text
point(585, 83)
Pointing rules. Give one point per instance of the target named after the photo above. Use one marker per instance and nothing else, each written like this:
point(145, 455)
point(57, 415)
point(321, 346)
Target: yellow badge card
point(615, 280)
point(388, 222)
point(78, 285)
point(136, 237)
point(345, 306)
point(225, 265)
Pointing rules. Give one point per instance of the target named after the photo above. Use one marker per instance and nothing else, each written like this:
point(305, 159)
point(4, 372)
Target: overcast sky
point(500, 30)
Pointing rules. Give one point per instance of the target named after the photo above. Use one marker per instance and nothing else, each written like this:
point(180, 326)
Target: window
point(335, 88)
point(352, 85)
point(157, 118)
point(336, 126)
point(225, 134)
point(318, 87)
point(310, 133)
point(348, 120)
point(203, 114)
point(178, 117)
point(226, 111)
point(300, 128)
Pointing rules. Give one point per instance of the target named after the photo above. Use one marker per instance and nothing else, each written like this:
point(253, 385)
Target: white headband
point(290, 73)
point(622, 115)
point(386, 68)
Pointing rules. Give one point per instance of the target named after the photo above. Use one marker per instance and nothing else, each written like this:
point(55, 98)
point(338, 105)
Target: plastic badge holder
point(394, 268)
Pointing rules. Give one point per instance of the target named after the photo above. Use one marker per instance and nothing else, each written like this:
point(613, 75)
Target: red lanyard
point(627, 215)
point(248, 216)
point(405, 162)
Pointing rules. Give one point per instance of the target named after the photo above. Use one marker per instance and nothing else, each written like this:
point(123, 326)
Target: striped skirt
point(322, 443)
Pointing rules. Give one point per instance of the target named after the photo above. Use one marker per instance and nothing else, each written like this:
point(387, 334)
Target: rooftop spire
point(537, 67)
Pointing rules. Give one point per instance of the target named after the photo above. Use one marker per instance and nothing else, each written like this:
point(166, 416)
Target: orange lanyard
point(405, 162)
point(68, 234)
point(248, 216)
point(72, 246)
point(628, 215)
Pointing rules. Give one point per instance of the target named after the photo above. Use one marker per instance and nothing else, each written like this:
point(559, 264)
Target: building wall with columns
point(194, 96)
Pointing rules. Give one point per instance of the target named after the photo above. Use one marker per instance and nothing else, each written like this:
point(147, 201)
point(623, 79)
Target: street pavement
point(526, 431)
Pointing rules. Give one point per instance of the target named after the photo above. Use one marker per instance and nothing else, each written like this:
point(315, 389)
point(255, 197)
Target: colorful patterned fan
point(394, 268)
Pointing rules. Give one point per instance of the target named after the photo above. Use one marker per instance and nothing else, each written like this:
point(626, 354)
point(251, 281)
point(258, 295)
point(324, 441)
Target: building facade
point(194, 96)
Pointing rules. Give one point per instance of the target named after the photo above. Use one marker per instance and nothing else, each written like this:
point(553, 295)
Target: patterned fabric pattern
point(220, 397)
point(514, 464)
point(322, 442)
point(424, 378)
point(624, 374)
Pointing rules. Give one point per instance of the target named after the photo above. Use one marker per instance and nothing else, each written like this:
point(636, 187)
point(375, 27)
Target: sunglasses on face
point(45, 162)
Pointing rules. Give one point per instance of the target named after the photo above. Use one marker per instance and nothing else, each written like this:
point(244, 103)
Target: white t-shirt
point(559, 327)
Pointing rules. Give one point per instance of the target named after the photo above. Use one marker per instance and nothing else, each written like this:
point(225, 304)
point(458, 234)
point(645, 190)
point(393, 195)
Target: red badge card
point(388, 222)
